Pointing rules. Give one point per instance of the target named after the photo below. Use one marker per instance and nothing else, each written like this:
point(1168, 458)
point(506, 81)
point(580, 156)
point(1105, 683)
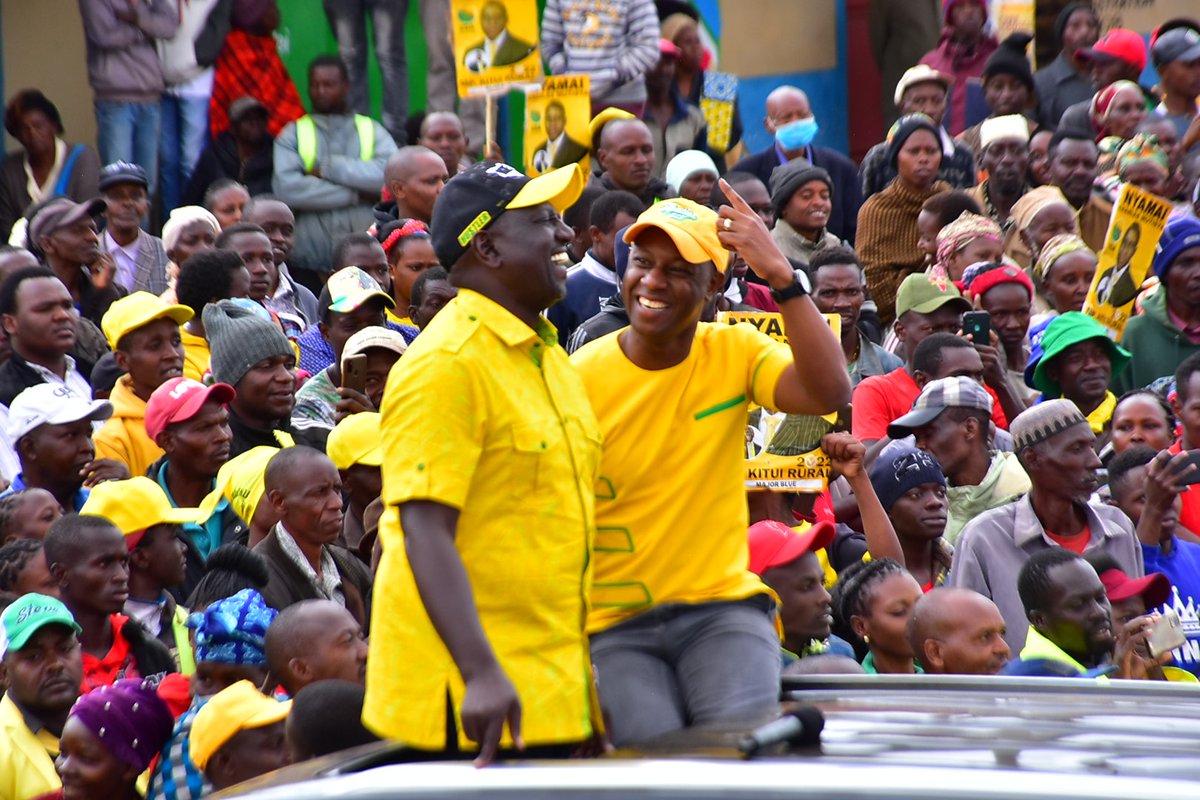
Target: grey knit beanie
point(239, 339)
point(789, 178)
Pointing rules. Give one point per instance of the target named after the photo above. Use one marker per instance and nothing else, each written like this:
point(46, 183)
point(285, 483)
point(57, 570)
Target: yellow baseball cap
point(134, 505)
point(356, 440)
point(135, 310)
point(691, 226)
point(603, 118)
point(228, 712)
point(242, 481)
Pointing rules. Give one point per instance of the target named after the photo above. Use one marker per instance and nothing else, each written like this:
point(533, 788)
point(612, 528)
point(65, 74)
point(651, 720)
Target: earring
point(866, 639)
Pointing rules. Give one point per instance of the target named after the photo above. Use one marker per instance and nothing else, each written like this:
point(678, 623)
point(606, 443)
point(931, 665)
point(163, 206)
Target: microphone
point(800, 726)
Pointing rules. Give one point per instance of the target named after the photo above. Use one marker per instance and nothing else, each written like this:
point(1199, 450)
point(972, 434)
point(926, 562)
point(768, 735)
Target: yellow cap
point(603, 118)
point(356, 440)
point(559, 187)
point(242, 481)
point(228, 712)
point(691, 226)
point(132, 312)
point(136, 504)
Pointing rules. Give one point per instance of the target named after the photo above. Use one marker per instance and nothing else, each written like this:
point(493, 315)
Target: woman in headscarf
point(1039, 216)
point(1062, 274)
point(887, 222)
point(112, 735)
point(968, 240)
point(1115, 113)
point(188, 230)
point(1143, 162)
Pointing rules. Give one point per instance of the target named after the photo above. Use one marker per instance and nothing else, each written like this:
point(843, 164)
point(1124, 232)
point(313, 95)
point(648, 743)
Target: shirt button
point(420, 467)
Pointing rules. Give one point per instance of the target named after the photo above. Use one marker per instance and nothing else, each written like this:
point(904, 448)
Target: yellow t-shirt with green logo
point(671, 513)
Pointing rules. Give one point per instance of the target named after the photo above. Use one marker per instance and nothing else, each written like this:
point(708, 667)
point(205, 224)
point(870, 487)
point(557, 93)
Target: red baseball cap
point(773, 544)
point(178, 400)
point(1154, 589)
point(1120, 44)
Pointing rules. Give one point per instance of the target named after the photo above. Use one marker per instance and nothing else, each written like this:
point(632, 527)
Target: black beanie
point(1064, 16)
point(904, 128)
point(1009, 59)
point(787, 179)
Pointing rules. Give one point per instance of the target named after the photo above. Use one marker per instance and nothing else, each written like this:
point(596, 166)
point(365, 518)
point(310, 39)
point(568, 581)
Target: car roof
point(884, 736)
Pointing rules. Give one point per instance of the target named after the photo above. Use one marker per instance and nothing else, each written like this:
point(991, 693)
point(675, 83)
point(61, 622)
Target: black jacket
point(847, 191)
point(289, 585)
point(656, 190)
point(246, 438)
point(220, 160)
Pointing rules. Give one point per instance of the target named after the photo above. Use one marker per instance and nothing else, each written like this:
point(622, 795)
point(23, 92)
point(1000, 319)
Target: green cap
point(925, 293)
point(1070, 329)
point(27, 615)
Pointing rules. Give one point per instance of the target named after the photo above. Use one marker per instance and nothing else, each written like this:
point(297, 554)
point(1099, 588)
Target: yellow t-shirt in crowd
point(196, 355)
point(671, 513)
point(485, 415)
point(26, 758)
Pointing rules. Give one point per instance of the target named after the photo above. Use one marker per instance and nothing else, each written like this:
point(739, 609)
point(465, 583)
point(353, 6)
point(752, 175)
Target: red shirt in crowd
point(882, 399)
point(116, 664)
point(1189, 515)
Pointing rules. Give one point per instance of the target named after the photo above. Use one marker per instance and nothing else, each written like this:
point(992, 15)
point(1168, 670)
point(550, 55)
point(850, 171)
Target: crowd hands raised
point(354, 387)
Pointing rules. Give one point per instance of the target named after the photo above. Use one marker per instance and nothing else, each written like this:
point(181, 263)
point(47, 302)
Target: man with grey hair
point(1053, 442)
point(791, 121)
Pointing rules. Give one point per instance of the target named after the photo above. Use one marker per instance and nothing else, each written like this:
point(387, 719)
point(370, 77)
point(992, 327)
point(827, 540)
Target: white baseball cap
point(51, 404)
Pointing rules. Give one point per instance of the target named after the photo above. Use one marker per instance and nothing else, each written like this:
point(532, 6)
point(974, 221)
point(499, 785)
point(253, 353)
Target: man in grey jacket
point(126, 76)
point(329, 168)
point(1053, 442)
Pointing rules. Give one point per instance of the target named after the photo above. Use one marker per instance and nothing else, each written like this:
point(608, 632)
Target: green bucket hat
point(1070, 329)
point(29, 614)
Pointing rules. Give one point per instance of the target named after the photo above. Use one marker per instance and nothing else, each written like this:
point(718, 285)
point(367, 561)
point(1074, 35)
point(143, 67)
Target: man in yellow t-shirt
point(43, 663)
point(682, 632)
point(491, 457)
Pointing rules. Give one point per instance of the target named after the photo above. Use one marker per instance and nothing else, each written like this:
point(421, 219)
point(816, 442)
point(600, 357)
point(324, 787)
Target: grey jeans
point(680, 665)
point(348, 18)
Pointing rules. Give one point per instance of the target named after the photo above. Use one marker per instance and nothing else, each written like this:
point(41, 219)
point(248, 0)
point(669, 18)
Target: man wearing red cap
point(787, 561)
point(1120, 55)
point(189, 421)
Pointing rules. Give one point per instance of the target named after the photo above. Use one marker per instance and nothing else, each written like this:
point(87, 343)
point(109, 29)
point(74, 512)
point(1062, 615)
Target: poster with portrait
point(556, 124)
point(495, 44)
point(783, 451)
point(1136, 223)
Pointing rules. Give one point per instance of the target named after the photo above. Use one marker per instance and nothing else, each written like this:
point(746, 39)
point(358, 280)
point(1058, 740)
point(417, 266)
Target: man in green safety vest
point(329, 169)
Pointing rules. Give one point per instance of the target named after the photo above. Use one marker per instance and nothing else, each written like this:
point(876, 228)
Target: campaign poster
point(495, 44)
point(783, 451)
point(1137, 221)
point(556, 124)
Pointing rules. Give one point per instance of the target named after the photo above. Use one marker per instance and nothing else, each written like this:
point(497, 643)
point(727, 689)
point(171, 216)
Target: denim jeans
point(181, 140)
point(129, 132)
point(679, 665)
point(348, 20)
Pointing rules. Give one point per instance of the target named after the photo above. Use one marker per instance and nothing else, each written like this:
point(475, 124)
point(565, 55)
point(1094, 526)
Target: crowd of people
point(499, 423)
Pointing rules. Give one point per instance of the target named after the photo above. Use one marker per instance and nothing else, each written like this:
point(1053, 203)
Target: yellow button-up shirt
point(26, 758)
point(486, 415)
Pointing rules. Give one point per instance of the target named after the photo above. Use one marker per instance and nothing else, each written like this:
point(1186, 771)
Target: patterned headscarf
point(960, 233)
point(1142, 147)
point(1102, 103)
point(400, 229)
point(1033, 202)
point(1055, 249)
point(131, 721)
point(233, 630)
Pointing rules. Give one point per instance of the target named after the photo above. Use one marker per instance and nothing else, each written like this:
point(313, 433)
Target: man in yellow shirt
point(491, 456)
point(43, 664)
point(681, 631)
point(143, 332)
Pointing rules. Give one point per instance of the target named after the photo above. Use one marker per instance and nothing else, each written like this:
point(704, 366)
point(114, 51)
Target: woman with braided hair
point(872, 602)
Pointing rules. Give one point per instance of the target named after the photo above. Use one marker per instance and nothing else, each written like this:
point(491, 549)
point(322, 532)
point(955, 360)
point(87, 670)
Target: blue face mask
point(797, 134)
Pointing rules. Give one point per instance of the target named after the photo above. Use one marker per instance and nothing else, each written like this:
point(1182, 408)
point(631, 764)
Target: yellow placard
point(1014, 16)
point(1137, 222)
point(783, 451)
point(495, 43)
point(556, 124)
